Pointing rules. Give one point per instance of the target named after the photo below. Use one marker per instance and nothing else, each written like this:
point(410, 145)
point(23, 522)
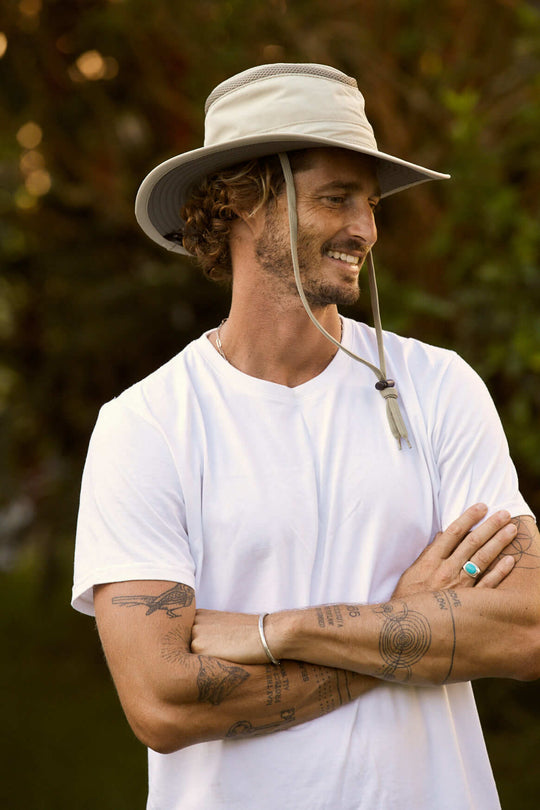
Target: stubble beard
point(273, 253)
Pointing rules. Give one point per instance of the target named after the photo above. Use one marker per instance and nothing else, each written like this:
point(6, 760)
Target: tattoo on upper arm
point(404, 639)
point(217, 679)
point(175, 645)
point(171, 600)
point(522, 547)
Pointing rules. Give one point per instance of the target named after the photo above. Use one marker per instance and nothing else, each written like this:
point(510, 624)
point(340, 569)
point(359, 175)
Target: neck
point(268, 333)
point(280, 345)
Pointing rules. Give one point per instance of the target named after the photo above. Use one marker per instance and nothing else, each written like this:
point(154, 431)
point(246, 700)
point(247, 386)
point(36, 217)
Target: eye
point(375, 205)
point(336, 199)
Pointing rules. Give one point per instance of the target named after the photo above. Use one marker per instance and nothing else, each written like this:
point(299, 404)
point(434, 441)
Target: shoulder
point(163, 392)
point(405, 354)
point(431, 380)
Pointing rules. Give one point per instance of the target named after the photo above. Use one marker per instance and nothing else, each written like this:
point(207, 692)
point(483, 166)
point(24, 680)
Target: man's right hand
point(440, 565)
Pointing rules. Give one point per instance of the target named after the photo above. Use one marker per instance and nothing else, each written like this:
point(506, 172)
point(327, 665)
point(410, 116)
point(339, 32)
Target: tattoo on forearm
point(329, 616)
point(333, 690)
point(171, 600)
point(245, 728)
point(277, 682)
point(333, 685)
point(216, 679)
point(347, 678)
point(522, 546)
point(327, 689)
point(448, 600)
point(404, 639)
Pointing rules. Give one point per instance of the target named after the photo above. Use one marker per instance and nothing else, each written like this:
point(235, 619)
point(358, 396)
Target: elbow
point(162, 728)
point(160, 739)
point(530, 667)
point(526, 661)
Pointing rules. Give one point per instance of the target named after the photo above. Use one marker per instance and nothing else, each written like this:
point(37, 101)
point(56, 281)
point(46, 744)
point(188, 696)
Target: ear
point(252, 221)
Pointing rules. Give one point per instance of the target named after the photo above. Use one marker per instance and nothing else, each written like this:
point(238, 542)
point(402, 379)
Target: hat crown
point(288, 99)
point(278, 69)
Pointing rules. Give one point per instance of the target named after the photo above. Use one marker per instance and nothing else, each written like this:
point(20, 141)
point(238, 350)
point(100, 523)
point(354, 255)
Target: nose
point(361, 224)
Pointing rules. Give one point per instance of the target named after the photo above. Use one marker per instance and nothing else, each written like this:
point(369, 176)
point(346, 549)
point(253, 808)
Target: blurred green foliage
point(93, 93)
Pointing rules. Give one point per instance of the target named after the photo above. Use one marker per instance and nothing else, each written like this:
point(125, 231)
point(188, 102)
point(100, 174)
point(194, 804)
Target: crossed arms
point(185, 676)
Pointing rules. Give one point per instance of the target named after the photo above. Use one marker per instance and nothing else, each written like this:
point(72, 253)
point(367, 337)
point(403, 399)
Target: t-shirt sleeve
point(470, 447)
point(132, 522)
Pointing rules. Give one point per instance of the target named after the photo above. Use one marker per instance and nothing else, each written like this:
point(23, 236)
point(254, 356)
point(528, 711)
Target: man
point(293, 492)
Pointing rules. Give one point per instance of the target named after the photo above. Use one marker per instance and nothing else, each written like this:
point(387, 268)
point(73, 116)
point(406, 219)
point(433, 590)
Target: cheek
point(309, 245)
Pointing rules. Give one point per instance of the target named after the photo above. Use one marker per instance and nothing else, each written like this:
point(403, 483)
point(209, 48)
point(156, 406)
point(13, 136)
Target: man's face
point(337, 192)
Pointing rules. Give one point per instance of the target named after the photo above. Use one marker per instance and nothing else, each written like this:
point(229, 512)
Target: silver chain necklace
point(219, 344)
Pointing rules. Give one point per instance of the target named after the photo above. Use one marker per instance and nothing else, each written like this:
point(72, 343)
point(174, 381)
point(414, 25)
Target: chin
point(328, 295)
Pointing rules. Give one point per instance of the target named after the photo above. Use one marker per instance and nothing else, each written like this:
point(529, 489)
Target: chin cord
point(386, 387)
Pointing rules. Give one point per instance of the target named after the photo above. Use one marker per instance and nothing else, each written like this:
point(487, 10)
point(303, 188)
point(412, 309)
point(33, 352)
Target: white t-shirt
point(263, 497)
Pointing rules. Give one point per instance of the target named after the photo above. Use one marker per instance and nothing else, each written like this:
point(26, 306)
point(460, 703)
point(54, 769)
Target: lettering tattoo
point(404, 639)
point(328, 691)
point(245, 728)
point(330, 616)
point(171, 600)
point(333, 690)
point(277, 682)
point(522, 547)
point(216, 679)
point(333, 685)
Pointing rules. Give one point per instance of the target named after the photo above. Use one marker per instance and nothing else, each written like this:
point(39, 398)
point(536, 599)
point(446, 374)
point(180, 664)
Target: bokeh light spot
point(38, 182)
point(30, 135)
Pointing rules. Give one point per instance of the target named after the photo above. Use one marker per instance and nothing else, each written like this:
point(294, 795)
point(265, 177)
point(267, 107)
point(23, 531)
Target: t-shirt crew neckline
point(265, 388)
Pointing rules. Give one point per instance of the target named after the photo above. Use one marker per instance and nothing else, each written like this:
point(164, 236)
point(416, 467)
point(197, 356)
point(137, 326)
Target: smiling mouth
point(343, 257)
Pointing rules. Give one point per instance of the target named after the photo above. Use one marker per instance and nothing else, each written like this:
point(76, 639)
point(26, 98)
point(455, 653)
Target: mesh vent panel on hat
point(267, 71)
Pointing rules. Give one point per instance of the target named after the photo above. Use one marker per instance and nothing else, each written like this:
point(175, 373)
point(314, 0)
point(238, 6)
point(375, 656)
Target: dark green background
point(88, 304)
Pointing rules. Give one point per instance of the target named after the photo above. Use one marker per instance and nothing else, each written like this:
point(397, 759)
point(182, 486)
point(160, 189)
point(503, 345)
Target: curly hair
point(213, 205)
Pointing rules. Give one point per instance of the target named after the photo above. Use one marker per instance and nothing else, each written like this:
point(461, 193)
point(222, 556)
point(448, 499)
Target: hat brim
point(166, 189)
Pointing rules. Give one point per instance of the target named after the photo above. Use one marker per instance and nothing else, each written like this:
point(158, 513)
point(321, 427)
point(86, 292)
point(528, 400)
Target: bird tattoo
point(176, 598)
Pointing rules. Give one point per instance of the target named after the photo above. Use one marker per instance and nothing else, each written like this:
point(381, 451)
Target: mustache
point(349, 246)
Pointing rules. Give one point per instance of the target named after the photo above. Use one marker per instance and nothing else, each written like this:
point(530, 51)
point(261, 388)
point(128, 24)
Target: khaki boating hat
point(266, 110)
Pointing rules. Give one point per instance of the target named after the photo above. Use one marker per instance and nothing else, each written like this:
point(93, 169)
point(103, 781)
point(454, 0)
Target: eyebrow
point(350, 186)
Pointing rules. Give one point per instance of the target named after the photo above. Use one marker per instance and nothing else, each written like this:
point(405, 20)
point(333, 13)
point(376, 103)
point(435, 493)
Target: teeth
point(344, 257)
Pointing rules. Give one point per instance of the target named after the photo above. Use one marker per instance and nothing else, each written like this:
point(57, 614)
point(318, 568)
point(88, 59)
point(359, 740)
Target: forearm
point(206, 698)
point(441, 625)
point(427, 638)
point(175, 696)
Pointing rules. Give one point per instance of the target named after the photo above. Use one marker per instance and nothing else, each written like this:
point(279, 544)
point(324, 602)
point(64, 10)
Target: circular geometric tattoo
point(404, 639)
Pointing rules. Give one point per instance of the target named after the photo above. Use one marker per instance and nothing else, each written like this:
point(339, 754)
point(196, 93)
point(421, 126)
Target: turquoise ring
point(471, 569)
